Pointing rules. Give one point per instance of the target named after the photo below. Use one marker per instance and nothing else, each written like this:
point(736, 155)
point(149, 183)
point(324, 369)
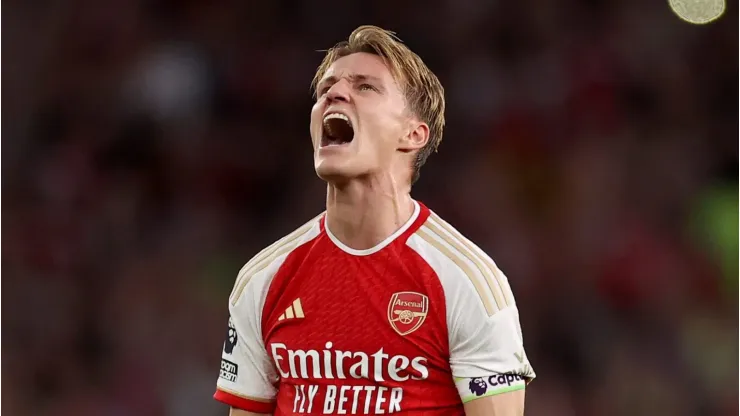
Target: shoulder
point(484, 334)
point(258, 271)
point(465, 271)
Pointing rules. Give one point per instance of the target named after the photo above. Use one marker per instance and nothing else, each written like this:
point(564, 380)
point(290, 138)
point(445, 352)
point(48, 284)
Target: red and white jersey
point(417, 325)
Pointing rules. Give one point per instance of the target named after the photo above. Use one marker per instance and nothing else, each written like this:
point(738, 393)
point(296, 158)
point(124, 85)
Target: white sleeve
point(487, 354)
point(247, 378)
point(485, 339)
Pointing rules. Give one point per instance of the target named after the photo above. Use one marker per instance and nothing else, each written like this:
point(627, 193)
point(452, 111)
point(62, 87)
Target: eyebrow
point(354, 78)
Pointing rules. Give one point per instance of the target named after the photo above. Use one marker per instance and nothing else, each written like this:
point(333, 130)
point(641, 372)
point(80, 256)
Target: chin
point(336, 171)
point(331, 173)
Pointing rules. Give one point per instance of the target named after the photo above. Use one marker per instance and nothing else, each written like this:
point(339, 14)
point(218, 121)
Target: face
point(359, 123)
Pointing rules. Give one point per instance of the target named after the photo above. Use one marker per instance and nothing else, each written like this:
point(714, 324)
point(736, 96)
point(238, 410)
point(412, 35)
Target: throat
point(366, 227)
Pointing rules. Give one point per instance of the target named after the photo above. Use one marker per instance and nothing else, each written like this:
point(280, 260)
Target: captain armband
point(478, 387)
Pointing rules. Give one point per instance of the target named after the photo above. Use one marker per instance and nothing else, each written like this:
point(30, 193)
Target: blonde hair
point(422, 90)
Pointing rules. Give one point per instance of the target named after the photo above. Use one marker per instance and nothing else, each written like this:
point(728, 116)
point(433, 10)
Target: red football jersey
point(417, 325)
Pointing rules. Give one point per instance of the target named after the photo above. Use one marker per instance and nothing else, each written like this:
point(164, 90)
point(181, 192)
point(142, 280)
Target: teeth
point(336, 115)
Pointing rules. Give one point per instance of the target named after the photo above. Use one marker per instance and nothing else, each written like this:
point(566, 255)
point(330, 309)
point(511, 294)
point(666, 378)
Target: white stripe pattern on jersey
point(265, 257)
point(489, 283)
point(496, 274)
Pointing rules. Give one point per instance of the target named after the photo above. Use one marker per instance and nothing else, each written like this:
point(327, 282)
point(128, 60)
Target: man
point(377, 305)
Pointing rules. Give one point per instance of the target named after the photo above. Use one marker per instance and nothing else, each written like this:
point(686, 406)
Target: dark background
point(152, 147)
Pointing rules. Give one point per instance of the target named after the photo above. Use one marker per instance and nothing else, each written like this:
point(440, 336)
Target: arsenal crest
point(407, 311)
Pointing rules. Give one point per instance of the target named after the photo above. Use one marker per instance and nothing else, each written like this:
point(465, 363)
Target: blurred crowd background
point(152, 147)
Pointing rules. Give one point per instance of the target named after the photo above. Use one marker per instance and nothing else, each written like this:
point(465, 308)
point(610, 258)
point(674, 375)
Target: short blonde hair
point(423, 92)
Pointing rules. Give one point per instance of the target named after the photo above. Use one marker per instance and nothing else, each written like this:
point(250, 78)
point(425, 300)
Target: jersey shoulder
point(268, 261)
point(466, 272)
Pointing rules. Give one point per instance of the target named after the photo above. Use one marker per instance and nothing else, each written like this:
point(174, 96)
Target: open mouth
point(337, 130)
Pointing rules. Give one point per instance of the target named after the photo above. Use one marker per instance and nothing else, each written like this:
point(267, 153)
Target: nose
point(338, 92)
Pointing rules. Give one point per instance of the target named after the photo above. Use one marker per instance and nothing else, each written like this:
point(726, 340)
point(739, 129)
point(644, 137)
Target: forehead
point(360, 63)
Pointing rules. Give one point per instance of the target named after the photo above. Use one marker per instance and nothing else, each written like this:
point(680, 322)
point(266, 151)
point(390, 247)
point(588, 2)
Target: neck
point(361, 214)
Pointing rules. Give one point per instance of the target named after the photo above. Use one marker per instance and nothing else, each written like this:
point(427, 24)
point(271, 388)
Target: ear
point(416, 138)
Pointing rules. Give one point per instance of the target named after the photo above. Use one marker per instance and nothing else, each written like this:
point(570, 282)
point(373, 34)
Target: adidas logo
point(293, 311)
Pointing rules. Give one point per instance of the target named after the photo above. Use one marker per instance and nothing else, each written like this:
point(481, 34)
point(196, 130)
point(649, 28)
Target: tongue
point(340, 130)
